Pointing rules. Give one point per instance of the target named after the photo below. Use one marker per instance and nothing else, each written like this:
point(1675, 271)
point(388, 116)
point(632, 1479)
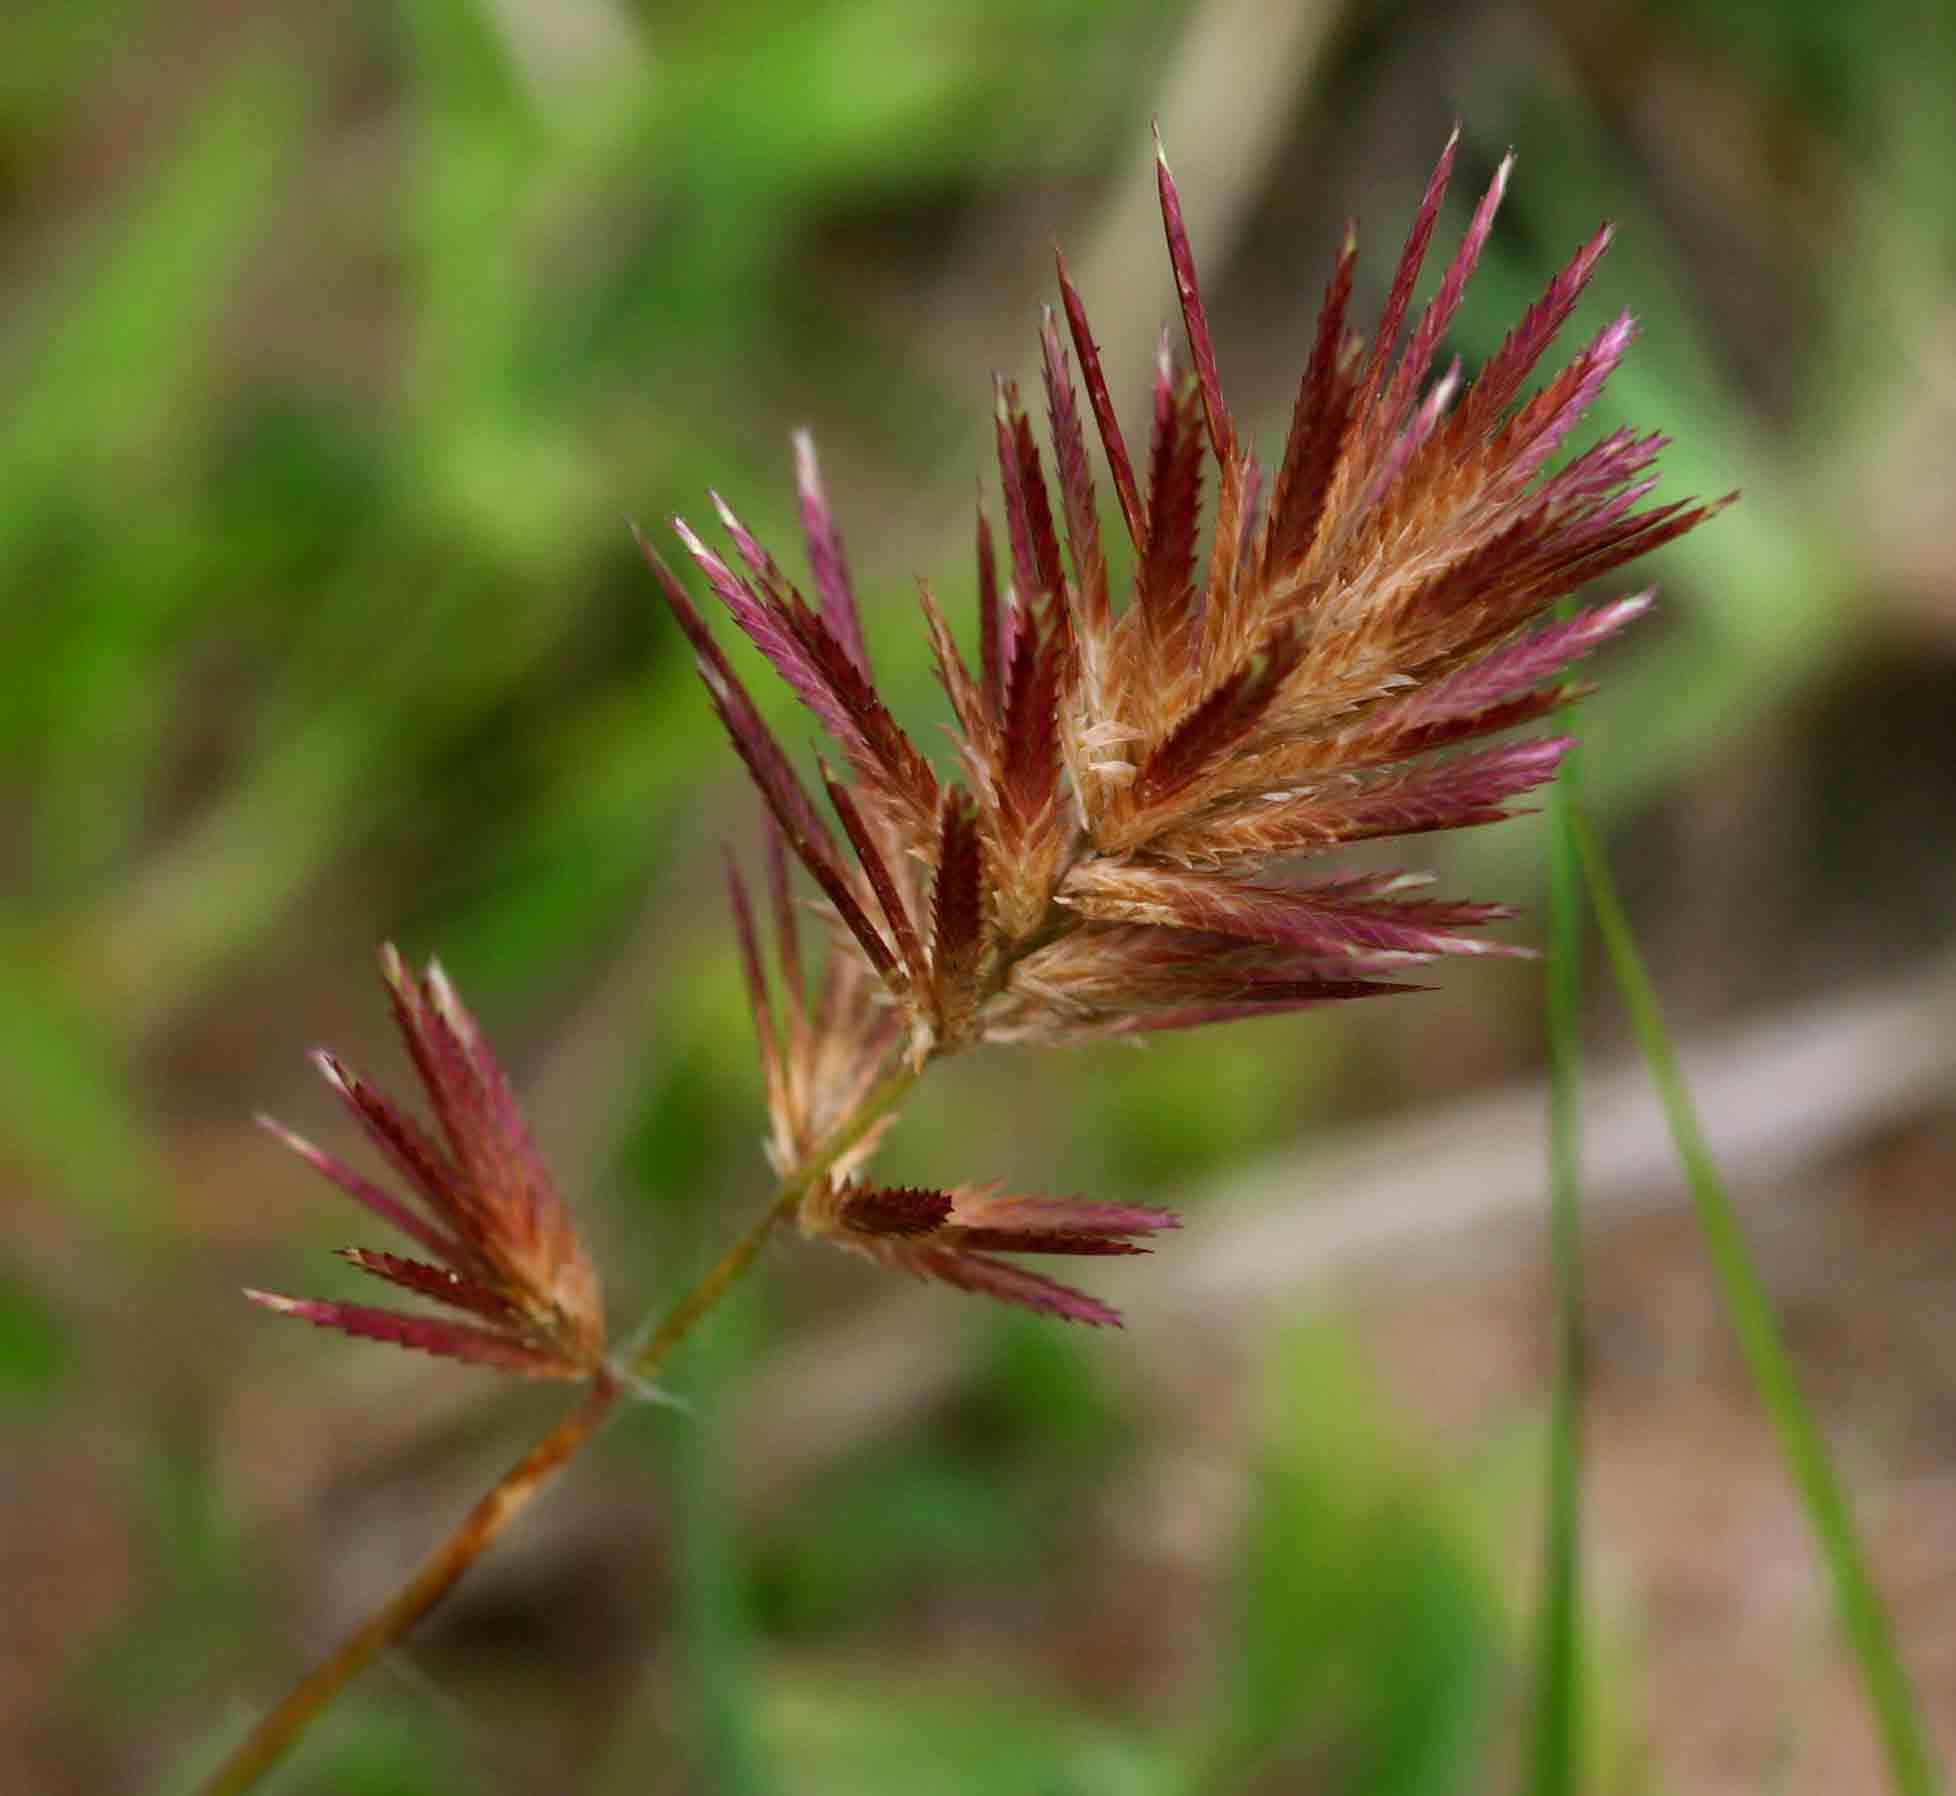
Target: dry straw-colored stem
point(280, 1729)
point(269, 1741)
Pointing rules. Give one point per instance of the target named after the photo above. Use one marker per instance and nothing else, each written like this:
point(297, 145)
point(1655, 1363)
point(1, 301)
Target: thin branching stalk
point(703, 1296)
point(275, 1735)
point(280, 1729)
point(1912, 1766)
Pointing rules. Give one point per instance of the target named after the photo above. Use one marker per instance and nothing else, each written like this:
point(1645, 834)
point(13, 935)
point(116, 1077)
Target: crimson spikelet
point(502, 1246)
point(1147, 783)
point(820, 1056)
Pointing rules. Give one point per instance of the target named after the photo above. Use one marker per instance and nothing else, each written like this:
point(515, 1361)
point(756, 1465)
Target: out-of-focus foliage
point(336, 347)
point(1367, 1637)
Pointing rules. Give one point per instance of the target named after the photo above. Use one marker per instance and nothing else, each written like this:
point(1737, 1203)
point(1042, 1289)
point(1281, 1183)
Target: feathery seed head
point(1134, 776)
point(954, 1237)
point(504, 1251)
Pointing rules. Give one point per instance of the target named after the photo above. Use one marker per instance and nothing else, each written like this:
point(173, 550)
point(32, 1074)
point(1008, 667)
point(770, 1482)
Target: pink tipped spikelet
point(821, 1058)
point(503, 1251)
point(955, 1237)
point(1143, 779)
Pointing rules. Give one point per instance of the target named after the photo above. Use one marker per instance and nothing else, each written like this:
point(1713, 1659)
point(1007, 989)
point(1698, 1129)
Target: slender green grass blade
point(1558, 1731)
point(1912, 1767)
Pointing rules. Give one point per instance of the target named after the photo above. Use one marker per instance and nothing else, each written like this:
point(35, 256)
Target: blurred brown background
point(337, 343)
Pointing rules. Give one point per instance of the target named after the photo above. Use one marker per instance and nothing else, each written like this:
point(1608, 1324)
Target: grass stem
point(1558, 1730)
point(280, 1729)
point(1912, 1766)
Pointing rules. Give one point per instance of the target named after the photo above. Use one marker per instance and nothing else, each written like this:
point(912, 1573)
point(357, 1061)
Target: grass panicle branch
point(1133, 841)
point(1146, 790)
point(281, 1727)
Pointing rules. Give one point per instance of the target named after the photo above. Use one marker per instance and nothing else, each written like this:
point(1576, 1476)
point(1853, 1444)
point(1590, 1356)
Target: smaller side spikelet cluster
point(1143, 782)
point(819, 1060)
point(502, 1249)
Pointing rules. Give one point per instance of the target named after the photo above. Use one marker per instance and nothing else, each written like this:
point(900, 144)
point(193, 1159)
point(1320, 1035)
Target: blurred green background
point(337, 344)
